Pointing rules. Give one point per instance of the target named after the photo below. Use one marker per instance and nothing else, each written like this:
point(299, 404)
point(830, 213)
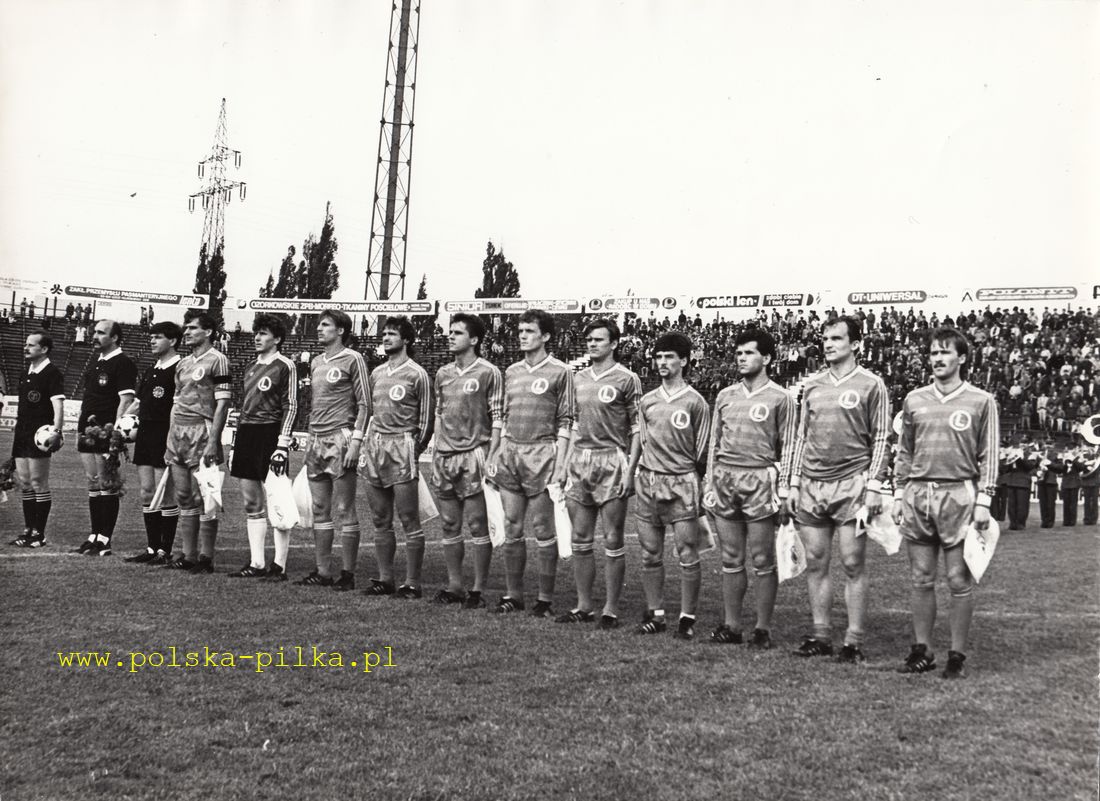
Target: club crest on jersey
point(102, 379)
point(710, 499)
point(470, 386)
point(198, 374)
point(959, 420)
point(758, 413)
point(158, 392)
point(539, 386)
point(680, 419)
point(34, 396)
point(849, 399)
point(264, 384)
point(333, 375)
point(397, 392)
point(607, 394)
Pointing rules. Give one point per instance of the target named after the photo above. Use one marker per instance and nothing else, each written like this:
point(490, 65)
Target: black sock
point(169, 519)
point(44, 502)
point(94, 512)
point(29, 509)
point(109, 510)
point(152, 528)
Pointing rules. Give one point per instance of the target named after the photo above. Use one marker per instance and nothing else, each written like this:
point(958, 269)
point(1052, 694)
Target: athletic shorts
point(252, 450)
point(23, 446)
point(458, 475)
point(666, 498)
point(525, 468)
point(151, 443)
point(325, 454)
point(830, 503)
point(101, 418)
point(389, 459)
point(186, 443)
point(937, 512)
point(595, 476)
point(742, 493)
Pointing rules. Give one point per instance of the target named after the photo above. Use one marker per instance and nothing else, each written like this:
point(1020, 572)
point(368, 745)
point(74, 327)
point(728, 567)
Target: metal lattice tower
point(218, 190)
point(390, 217)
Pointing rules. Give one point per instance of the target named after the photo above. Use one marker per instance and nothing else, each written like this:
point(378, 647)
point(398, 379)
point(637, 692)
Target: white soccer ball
point(128, 426)
point(43, 436)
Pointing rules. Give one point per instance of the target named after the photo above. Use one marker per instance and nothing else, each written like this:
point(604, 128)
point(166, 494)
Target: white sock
point(282, 546)
point(257, 533)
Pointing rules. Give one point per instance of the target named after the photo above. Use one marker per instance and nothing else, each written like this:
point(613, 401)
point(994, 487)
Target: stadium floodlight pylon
point(390, 214)
point(218, 189)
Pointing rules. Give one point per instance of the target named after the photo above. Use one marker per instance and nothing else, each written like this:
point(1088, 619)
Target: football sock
point(515, 562)
point(322, 546)
point(734, 584)
point(483, 556)
point(169, 520)
point(614, 572)
point(256, 526)
point(30, 510)
point(767, 587)
point(189, 532)
point(44, 501)
point(690, 578)
point(282, 545)
point(653, 584)
point(414, 557)
point(93, 511)
point(548, 568)
point(454, 550)
point(208, 535)
point(385, 547)
point(584, 572)
point(152, 527)
point(108, 504)
point(349, 546)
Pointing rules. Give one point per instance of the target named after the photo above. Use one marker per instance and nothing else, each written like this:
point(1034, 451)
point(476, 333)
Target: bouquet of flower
point(106, 438)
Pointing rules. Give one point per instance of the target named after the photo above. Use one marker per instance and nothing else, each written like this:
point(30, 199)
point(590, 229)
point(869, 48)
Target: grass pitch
point(476, 706)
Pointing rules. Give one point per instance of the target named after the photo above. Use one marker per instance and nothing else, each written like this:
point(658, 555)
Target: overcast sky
point(663, 146)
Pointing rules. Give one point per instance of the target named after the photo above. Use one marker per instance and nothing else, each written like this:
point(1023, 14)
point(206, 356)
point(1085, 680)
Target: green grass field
point(480, 707)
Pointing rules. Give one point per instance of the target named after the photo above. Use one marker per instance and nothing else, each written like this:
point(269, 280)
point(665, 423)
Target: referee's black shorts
point(23, 446)
point(151, 442)
point(252, 450)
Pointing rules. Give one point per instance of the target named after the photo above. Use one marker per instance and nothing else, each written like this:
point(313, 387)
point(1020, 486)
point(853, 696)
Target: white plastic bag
point(494, 512)
point(210, 479)
point(158, 495)
point(881, 528)
point(427, 506)
point(790, 553)
point(978, 548)
point(282, 511)
point(303, 499)
point(563, 526)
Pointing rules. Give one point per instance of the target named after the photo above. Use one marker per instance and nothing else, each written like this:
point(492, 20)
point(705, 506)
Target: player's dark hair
point(613, 332)
point(403, 326)
point(542, 319)
point(677, 343)
point(855, 328)
point(340, 320)
point(168, 330)
point(44, 339)
point(946, 335)
point(206, 321)
point(475, 327)
point(765, 342)
point(272, 324)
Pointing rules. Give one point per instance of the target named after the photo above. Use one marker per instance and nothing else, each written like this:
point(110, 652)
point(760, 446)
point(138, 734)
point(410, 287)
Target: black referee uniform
point(156, 391)
point(37, 392)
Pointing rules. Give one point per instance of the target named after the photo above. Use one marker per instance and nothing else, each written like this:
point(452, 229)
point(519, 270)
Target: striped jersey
point(607, 407)
point(157, 391)
point(106, 379)
point(675, 430)
point(38, 388)
point(754, 429)
point(401, 400)
point(341, 397)
point(271, 394)
point(843, 428)
point(469, 404)
point(201, 381)
point(949, 437)
point(538, 401)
